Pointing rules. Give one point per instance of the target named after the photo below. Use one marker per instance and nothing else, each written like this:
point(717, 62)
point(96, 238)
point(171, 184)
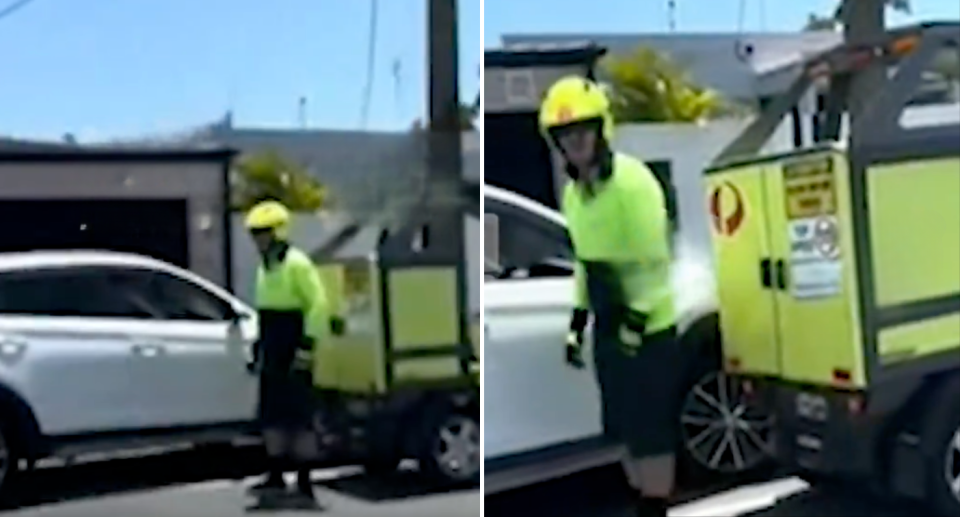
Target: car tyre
point(10, 458)
point(450, 453)
point(705, 415)
point(941, 429)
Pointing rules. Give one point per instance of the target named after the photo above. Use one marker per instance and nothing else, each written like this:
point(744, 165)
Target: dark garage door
point(517, 158)
point(157, 228)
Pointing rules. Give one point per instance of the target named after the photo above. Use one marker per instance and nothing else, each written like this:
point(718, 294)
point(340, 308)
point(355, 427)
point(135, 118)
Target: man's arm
point(313, 300)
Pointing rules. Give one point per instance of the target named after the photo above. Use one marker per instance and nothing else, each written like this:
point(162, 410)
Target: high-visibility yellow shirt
point(623, 223)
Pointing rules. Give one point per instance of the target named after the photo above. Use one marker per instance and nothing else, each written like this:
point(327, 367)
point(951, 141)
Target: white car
point(541, 419)
point(102, 351)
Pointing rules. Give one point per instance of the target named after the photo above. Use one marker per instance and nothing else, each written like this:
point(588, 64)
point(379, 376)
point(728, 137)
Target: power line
point(672, 15)
point(13, 8)
point(371, 63)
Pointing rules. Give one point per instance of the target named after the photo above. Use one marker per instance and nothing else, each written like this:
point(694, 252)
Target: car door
point(64, 347)
point(532, 399)
point(200, 375)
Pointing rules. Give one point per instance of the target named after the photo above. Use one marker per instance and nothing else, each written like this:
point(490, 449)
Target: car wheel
point(942, 429)
point(452, 451)
point(9, 464)
point(721, 431)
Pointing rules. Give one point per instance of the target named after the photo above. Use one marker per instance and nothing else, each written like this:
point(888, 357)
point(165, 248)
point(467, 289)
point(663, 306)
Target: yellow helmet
point(574, 99)
point(269, 215)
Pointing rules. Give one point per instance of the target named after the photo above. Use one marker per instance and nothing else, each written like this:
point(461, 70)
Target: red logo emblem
point(727, 215)
point(564, 114)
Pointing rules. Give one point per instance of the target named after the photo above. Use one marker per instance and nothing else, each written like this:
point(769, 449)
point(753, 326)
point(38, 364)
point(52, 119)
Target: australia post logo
point(727, 210)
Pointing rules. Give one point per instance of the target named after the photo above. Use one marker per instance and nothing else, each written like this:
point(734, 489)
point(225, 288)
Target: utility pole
point(864, 23)
point(445, 172)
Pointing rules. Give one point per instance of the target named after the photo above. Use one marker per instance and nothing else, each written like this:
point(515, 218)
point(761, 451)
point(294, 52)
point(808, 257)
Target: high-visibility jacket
point(292, 306)
point(623, 223)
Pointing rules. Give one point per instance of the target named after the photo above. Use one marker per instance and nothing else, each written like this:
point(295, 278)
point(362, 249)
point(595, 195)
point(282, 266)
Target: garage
point(167, 204)
point(153, 227)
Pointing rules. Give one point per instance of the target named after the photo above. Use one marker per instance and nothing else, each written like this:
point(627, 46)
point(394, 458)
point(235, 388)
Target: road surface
point(189, 484)
point(603, 493)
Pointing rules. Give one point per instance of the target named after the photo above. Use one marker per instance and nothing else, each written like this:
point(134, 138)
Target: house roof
point(734, 64)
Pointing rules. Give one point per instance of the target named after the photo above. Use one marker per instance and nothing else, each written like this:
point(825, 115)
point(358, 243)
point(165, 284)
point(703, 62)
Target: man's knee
point(653, 475)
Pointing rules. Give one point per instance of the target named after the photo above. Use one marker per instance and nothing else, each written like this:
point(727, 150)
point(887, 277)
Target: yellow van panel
point(812, 232)
point(735, 200)
point(919, 338)
point(910, 202)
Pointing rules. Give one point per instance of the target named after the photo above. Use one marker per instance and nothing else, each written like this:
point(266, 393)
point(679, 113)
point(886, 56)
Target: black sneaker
point(273, 483)
point(304, 484)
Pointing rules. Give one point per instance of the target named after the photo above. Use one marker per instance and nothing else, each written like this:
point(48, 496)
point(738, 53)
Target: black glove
point(338, 326)
point(574, 345)
point(632, 328)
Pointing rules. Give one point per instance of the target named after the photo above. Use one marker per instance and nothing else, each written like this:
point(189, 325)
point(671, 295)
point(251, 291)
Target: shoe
point(305, 484)
point(273, 483)
point(651, 507)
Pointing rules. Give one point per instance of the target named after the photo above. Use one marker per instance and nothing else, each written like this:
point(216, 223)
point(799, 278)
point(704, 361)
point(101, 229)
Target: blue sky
point(101, 68)
point(115, 68)
point(517, 16)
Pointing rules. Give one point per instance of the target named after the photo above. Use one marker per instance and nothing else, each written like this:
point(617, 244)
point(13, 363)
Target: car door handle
point(766, 273)
point(148, 349)
point(781, 275)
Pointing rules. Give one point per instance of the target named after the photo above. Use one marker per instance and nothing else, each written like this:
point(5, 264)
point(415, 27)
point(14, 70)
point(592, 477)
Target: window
point(66, 292)
point(528, 246)
point(175, 298)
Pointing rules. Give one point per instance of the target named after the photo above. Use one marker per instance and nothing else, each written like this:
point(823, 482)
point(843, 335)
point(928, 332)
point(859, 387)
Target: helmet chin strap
point(275, 252)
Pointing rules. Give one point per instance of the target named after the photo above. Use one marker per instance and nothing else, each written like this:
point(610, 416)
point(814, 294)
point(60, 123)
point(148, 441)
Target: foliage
point(268, 175)
point(817, 23)
point(645, 86)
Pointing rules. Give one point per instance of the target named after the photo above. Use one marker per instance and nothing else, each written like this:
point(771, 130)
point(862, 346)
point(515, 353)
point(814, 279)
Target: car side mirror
point(237, 316)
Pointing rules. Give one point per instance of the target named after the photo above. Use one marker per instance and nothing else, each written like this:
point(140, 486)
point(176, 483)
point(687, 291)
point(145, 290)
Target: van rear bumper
point(818, 431)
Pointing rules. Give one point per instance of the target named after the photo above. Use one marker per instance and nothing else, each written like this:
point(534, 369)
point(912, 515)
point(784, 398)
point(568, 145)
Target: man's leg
point(654, 478)
point(305, 451)
point(276, 443)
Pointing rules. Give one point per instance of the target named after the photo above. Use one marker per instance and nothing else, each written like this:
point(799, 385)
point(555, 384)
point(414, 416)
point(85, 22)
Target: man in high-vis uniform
point(294, 317)
point(618, 223)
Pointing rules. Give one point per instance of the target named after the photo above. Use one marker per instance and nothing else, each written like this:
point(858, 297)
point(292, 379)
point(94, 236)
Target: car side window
point(176, 298)
point(66, 292)
point(528, 246)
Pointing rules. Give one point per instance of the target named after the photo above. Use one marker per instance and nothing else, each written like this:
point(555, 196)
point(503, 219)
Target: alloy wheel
point(457, 451)
point(953, 465)
point(721, 429)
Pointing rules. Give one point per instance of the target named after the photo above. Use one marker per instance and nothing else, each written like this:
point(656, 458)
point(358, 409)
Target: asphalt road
point(603, 493)
point(190, 484)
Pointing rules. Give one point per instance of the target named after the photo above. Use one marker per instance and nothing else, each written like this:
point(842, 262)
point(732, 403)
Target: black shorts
point(287, 400)
point(641, 393)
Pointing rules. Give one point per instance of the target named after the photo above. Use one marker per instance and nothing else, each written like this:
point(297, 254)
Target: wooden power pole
point(864, 23)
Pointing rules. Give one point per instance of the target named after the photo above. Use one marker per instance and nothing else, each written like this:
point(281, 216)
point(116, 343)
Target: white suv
point(101, 351)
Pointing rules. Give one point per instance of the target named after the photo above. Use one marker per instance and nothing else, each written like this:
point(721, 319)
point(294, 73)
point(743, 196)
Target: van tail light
point(842, 376)
point(855, 405)
point(749, 390)
point(733, 364)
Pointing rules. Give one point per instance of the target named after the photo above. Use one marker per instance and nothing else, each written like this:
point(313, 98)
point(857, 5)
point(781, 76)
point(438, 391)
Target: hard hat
point(269, 215)
point(575, 99)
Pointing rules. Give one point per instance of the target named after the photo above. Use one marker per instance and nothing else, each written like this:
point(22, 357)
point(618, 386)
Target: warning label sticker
point(815, 259)
point(809, 188)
